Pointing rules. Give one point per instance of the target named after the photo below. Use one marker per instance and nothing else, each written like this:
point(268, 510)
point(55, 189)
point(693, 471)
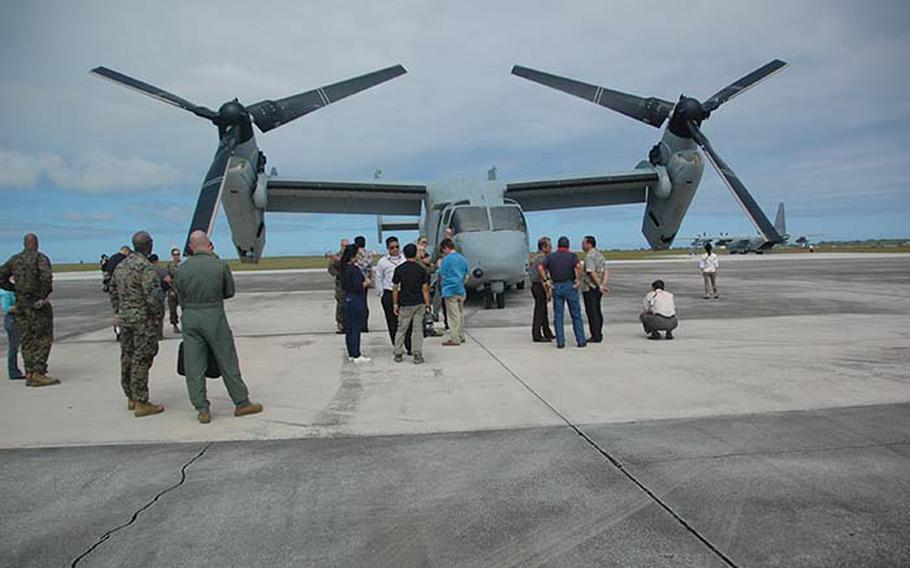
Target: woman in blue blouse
point(354, 285)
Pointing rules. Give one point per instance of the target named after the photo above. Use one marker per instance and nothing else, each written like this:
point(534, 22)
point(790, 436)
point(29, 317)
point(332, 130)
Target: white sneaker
point(361, 359)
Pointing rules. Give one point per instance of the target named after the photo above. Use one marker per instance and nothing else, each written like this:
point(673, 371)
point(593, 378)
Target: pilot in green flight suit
point(203, 282)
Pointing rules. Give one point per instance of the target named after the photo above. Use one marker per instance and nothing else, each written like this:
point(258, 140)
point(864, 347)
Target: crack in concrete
point(108, 534)
point(615, 462)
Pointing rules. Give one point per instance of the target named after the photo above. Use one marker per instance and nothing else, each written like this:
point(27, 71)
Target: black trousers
point(594, 313)
point(391, 320)
point(540, 325)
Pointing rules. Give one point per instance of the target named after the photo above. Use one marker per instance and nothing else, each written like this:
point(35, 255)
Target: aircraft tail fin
point(780, 221)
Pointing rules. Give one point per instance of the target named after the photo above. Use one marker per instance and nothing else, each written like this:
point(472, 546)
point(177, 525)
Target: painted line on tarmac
point(603, 452)
point(107, 535)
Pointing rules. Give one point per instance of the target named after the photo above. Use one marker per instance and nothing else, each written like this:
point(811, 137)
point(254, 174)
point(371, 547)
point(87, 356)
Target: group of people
point(560, 276)
point(410, 282)
point(413, 284)
point(199, 284)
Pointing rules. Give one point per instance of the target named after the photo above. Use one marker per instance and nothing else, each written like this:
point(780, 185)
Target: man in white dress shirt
point(384, 271)
point(708, 264)
point(660, 312)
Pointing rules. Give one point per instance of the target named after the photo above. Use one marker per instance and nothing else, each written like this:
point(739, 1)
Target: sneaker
point(668, 335)
point(580, 345)
point(247, 409)
point(361, 359)
point(418, 359)
point(339, 332)
point(706, 297)
point(563, 346)
point(451, 343)
point(654, 335)
point(717, 296)
point(17, 378)
point(398, 358)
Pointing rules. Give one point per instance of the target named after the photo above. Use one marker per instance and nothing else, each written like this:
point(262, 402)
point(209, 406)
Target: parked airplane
point(487, 219)
point(757, 244)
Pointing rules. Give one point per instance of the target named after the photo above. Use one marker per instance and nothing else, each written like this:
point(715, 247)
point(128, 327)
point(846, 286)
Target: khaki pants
point(410, 318)
point(454, 307)
point(710, 279)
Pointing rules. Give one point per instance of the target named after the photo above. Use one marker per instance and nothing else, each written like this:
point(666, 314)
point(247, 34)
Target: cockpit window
point(470, 219)
point(507, 219)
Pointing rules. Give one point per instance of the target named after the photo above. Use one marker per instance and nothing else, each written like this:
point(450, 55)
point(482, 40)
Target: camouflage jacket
point(32, 271)
point(136, 291)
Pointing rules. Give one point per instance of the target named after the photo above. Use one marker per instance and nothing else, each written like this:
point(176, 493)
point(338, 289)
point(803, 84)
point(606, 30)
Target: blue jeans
point(355, 307)
point(12, 351)
point(566, 292)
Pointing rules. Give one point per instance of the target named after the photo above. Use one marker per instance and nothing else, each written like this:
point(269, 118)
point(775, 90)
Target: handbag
point(211, 369)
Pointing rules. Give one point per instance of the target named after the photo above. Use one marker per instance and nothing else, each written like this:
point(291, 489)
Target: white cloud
point(21, 170)
point(94, 171)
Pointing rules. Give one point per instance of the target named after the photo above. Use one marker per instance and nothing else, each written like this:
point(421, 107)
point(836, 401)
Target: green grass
point(318, 261)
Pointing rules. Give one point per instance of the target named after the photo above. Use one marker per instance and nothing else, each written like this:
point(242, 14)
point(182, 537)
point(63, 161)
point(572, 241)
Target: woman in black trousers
point(355, 300)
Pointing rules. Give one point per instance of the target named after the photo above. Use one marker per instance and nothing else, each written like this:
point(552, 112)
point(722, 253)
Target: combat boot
point(251, 408)
point(40, 380)
point(204, 417)
point(147, 409)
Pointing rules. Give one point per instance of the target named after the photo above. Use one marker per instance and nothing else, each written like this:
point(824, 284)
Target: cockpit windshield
point(507, 219)
point(470, 219)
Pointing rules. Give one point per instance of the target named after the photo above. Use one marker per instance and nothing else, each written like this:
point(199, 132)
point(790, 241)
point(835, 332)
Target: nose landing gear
point(490, 297)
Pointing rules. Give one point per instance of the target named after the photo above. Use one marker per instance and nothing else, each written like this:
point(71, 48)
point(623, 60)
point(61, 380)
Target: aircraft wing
point(613, 189)
point(300, 196)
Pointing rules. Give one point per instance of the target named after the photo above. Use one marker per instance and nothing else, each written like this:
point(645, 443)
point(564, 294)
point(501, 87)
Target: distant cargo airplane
point(757, 244)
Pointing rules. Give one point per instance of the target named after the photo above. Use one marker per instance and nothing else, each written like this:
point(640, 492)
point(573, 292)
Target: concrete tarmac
point(772, 432)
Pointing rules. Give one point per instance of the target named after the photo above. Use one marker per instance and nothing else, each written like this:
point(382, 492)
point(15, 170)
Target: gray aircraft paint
point(666, 182)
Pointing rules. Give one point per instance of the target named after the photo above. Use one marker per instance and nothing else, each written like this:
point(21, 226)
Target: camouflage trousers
point(339, 308)
point(36, 333)
point(172, 307)
point(138, 347)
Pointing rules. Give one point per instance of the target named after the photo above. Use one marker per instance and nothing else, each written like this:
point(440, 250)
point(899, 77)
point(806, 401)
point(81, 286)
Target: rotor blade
point(742, 195)
point(154, 92)
point(651, 111)
point(210, 194)
point(742, 84)
point(272, 114)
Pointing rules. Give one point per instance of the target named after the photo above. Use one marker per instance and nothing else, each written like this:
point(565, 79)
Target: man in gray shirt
point(593, 287)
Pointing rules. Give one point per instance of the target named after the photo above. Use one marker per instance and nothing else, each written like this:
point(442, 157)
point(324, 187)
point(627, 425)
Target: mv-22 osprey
point(487, 220)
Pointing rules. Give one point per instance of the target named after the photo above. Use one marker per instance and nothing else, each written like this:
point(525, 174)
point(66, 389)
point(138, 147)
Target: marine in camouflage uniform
point(33, 283)
point(335, 271)
point(138, 303)
point(172, 293)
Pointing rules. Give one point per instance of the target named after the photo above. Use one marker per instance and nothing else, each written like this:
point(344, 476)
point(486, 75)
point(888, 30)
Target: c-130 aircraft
point(487, 219)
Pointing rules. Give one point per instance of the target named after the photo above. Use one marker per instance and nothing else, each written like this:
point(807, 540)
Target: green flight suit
point(203, 282)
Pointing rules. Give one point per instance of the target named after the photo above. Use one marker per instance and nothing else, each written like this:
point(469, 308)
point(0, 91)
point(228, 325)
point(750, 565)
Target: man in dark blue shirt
point(565, 272)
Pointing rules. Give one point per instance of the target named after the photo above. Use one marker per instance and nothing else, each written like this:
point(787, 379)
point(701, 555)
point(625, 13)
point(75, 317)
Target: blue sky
point(84, 163)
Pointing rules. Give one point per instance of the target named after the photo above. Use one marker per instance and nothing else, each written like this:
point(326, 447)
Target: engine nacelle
point(247, 221)
point(665, 208)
